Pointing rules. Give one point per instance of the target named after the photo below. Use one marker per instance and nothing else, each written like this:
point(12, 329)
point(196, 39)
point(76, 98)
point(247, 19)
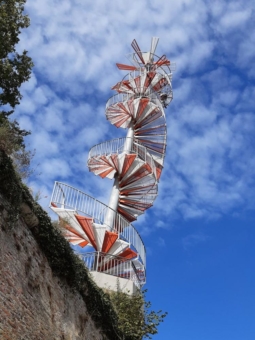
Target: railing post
point(97, 255)
point(63, 199)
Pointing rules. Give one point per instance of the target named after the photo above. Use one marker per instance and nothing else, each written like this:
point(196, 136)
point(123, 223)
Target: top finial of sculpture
point(144, 59)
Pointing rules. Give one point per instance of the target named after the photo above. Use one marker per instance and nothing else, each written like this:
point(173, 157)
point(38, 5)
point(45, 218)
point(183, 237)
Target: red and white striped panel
point(149, 125)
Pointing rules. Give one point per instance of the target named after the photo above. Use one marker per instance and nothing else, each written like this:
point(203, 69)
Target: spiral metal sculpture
point(134, 162)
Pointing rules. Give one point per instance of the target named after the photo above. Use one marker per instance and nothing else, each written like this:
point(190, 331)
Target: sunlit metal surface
point(135, 162)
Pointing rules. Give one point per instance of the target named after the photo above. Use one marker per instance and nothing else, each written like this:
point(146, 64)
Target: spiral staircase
point(134, 163)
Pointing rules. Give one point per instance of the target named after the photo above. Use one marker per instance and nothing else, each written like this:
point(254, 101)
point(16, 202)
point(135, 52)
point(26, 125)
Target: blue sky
point(200, 233)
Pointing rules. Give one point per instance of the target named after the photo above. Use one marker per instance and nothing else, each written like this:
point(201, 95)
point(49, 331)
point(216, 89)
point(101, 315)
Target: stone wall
point(34, 304)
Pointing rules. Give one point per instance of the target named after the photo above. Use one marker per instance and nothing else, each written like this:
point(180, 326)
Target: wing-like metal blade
point(137, 50)
point(154, 43)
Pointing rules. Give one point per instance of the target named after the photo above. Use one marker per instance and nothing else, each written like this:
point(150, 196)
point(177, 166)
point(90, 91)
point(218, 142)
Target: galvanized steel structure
point(134, 162)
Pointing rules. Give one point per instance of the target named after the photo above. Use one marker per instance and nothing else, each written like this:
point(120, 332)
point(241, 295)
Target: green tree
point(15, 69)
point(136, 319)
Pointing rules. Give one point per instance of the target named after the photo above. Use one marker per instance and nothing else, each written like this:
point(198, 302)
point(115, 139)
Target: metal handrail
point(162, 73)
point(141, 71)
point(117, 146)
point(66, 197)
point(122, 97)
point(114, 265)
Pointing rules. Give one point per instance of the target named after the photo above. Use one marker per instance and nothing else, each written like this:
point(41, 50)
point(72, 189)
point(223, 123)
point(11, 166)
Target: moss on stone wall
point(64, 263)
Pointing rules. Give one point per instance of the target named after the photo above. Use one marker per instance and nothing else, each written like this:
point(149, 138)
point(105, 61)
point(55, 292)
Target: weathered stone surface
point(34, 304)
point(28, 216)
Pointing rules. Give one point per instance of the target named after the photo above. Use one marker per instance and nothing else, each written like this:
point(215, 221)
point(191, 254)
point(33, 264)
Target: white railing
point(161, 124)
point(117, 146)
point(122, 97)
point(163, 76)
point(160, 74)
point(114, 265)
point(67, 197)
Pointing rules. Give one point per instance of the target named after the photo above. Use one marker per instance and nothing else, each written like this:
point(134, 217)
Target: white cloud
point(75, 45)
point(234, 19)
point(161, 242)
point(193, 240)
point(55, 168)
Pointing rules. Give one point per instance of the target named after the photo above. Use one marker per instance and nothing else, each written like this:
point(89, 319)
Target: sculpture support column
point(114, 198)
point(128, 146)
point(113, 205)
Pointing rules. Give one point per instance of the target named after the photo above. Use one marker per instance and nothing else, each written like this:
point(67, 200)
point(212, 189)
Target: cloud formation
point(210, 154)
